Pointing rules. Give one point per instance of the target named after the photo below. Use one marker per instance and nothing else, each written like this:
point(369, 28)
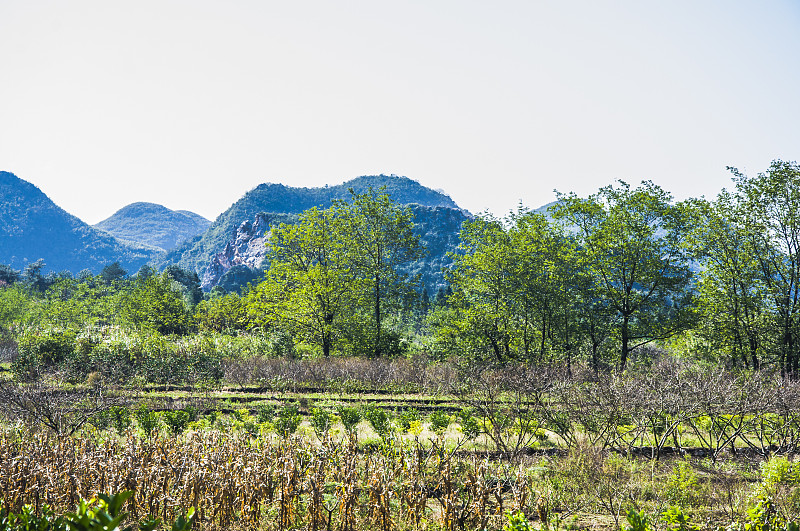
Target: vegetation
point(284, 203)
point(625, 361)
point(154, 225)
point(33, 227)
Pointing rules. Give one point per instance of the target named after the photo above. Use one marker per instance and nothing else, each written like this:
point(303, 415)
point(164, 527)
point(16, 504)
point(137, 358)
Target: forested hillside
point(154, 225)
point(32, 227)
point(283, 203)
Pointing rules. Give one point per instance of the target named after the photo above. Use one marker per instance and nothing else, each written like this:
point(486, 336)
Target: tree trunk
point(377, 346)
point(623, 358)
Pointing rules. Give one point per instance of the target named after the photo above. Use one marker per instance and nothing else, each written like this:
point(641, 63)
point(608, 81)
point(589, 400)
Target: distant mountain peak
point(154, 225)
point(32, 226)
point(283, 200)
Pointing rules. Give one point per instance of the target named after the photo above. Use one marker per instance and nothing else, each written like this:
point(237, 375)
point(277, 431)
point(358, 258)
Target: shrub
point(178, 420)
point(439, 422)
point(408, 416)
point(38, 352)
point(321, 421)
point(379, 420)
point(350, 417)
point(148, 420)
point(682, 486)
point(265, 413)
point(287, 421)
point(50, 347)
point(516, 522)
point(117, 417)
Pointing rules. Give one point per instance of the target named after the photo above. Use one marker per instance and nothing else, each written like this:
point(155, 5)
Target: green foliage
point(675, 520)
point(116, 417)
point(321, 421)
point(635, 246)
point(154, 303)
point(516, 521)
point(406, 417)
point(380, 237)
point(265, 412)
point(682, 486)
point(309, 285)
point(350, 417)
point(147, 420)
point(515, 291)
point(638, 521)
point(440, 421)
point(103, 514)
point(378, 419)
point(16, 306)
point(178, 420)
point(287, 421)
point(41, 351)
point(470, 426)
point(227, 313)
point(777, 495)
point(28, 520)
point(48, 347)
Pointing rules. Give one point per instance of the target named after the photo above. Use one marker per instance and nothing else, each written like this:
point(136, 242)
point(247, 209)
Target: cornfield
point(235, 482)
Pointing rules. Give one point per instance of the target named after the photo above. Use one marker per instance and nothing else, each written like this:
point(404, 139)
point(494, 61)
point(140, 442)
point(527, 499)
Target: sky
point(191, 103)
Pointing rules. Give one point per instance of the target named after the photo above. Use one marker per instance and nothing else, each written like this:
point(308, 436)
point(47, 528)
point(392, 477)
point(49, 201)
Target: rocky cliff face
point(247, 248)
point(241, 260)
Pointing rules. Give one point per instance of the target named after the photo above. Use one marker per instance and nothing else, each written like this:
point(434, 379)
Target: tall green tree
point(310, 285)
point(380, 237)
point(634, 240)
point(154, 303)
point(771, 208)
point(513, 295)
point(732, 295)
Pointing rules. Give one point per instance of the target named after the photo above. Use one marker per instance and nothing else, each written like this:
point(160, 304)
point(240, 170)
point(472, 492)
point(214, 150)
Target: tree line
point(593, 279)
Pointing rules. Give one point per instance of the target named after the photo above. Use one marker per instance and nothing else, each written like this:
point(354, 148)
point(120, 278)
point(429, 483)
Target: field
point(379, 444)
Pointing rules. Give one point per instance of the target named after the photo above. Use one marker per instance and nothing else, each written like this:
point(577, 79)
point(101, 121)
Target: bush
point(148, 420)
point(38, 352)
point(379, 420)
point(439, 422)
point(470, 426)
point(178, 420)
point(350, 417)
point(287, 421)
point(117, 417)
point(321, 421)
point(265, 413)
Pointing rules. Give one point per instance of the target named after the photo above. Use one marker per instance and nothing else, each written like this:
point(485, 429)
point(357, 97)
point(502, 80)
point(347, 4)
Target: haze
point(192, 103)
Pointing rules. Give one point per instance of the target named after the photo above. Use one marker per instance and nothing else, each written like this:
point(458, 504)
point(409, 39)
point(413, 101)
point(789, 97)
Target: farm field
point(479, 450)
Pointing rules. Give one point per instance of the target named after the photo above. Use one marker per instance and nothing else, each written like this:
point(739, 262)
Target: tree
point(112, 273)
point(732, 296)
point(771, 207)
point(380, 237)
point(310, 284)
point(8, 275)
point(514, 294)
point(33, 278)
point(154, 303)
point(633, 240)
point(222, 313)
point(188, 281)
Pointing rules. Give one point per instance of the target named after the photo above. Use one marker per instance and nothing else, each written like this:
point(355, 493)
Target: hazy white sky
point(192, 103)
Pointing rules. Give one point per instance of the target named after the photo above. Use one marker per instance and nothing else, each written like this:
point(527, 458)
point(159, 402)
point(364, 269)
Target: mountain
point(154, 225)
point(33, 227)
point(241, 260)
point(287, 201)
